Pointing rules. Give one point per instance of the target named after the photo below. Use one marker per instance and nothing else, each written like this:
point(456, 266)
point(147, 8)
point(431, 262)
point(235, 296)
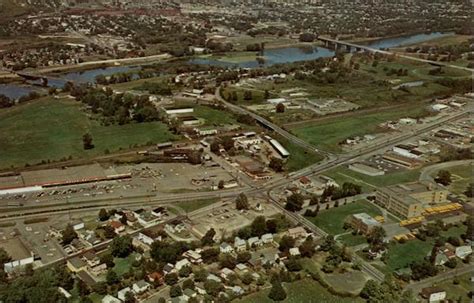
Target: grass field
point(343, 174)
point(123, 265)
point(332, 220)
point(214, 117)
point(305, 290)
point(329, 133)
point(189, 206)
point(53, 129)
point(351, 240)
point(461, 176)
point(299, 156)
point(461, 290)
point(401, 255)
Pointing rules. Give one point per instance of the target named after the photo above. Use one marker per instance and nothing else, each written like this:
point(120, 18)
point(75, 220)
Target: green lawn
point(402, 255)
point(332, 220)
point(53, 129)
point(123, 265)
point(343, 174)
point(214, 116)
point(305, 290)
point(328, 134)
point(189, 206)
point(299, 156)
point(351, 240)
point(461, 177)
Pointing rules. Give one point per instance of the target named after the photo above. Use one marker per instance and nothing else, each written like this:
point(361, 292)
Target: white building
point(267, 238)
point(225, 248)
point(141, 286)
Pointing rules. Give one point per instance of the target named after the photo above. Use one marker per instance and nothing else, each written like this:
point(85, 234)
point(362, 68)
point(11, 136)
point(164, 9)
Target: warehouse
point(279, 148)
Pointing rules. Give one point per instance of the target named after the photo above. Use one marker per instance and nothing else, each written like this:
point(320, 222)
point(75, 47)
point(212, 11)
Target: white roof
point(267, 236)
point(276, 100)
point(110, 299)
point(294, 251)
point(279, 148)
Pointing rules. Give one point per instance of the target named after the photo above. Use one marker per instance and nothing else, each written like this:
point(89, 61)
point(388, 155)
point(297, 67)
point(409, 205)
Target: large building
point(363, 222)
point(409, 200)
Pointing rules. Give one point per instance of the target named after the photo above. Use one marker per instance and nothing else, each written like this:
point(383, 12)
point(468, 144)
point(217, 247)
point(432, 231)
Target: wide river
point(272, 56)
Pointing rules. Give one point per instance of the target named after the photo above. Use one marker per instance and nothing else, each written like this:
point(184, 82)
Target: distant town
point(236, 151)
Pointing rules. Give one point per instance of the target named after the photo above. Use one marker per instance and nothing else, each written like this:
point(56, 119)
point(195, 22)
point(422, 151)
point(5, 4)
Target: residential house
point(168, 268)
point(214, 278)
point(189, 293)
point(297, 232)
point(463, 251)
point(110, 299)
point(226, 272)
point(240, 244)
point(295, 251)
point(85, 277)
point(141, 287)
point(117, 226)
point(193, 256)
point(225, 248)
point(158, 212)
point(155, 277)
point(267, 238)
point(98, 269)
point(241, 267)
point(433, 294)
point(254, 242)
point(237, 290)
point(76, 264)
point(182, 263)
point(123, 292)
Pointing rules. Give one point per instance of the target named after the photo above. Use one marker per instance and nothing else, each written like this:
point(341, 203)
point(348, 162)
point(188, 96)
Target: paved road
point(417, 286)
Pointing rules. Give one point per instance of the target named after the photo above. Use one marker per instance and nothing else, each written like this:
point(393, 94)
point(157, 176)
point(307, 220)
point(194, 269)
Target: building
point(117, 226)
point(91, 258)
point(225, 248)
point(433, 294)
point(295, 252)
point(193, 256)
point(267, 238)
point(179, 111)
point(254, 242)
point(155, 277)
point(297, 232)
point(141, 287)
point(110, 299)
point(279, 148)
point(363, 222)
point(240, 244)
point(123, 292)
point(182, 263)
point(409, 200)
point(76, 264)
point(463, 251)
point(20, 253)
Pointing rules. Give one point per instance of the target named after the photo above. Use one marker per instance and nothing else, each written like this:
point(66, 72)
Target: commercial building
point(279, 148)
point(363, 223)
point(20, 253)
point(409, 200)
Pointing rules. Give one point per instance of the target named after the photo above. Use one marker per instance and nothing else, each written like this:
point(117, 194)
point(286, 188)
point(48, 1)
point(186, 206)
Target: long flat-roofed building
point(409, 200)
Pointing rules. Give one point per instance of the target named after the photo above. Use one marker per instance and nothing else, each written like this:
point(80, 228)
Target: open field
point(332, 220)
point(299, 156)
point(58, 126)
point(214, 117)
point(351, 240)
point(461, 176)
point(343, 174)
point(305, 290)
point(329, 133)
point(190, 206)
point(123, 265)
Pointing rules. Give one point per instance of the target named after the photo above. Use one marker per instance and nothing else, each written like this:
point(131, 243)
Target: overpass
point(349, 46)
point(32, 76)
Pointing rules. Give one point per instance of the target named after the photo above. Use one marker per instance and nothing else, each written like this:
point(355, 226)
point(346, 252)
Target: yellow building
point(410, 200)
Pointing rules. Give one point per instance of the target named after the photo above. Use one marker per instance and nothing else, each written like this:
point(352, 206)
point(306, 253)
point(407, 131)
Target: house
point(182, 263)
point(214, 278)
point(254, 242)
point(237, 290)
point(189, 293)
point(225, 248)
point(91, 258)
point(441, 258)
point(65, 293)
point(159, 211)
point(123, 292)
point(155, 277)
point(110, 299)
point(117, 226)
point(297, 232)
point(168, 268)
point(226, 272)
point(76, 264)
point(363, 222)
point(141, 287)
point(85, 277)
point(98, 269)
point(241, 267)
point(463, 251)
point(267, 238)
point(240, 244)
point(433, 294)
point(295, 251)
point(193, 256)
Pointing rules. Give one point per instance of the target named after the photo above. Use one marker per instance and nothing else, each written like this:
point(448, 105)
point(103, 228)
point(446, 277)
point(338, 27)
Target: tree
point(469, 192)
point(294, 202)
point(307, 247)
point(247, 278)
point(68, 235)
point(372, 292)
point(103, 215)
point(443, 177)
point(452, 263)
point(112, 277)
point(276, 164)
point(129, 297)
point(286, 243)
point(243, 257)
point(247, 95)
point(277, 292)
point(376, 237)
point(188, 284)
point(175, 291)
point(212, 287)
point(108, 259)
point(208, 238)
point(171, 278)
point(121, 247)
point(258, 226)
point(87, 141)
point(185, 271)
point(227, 260)
point(4, 257)
point(200, 275)
point(470, 228)
point(241, 202)
point(280, 108)
point(293, 264)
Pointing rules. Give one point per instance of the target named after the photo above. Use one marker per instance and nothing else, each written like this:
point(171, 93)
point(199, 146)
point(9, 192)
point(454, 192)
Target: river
point(272, 56)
